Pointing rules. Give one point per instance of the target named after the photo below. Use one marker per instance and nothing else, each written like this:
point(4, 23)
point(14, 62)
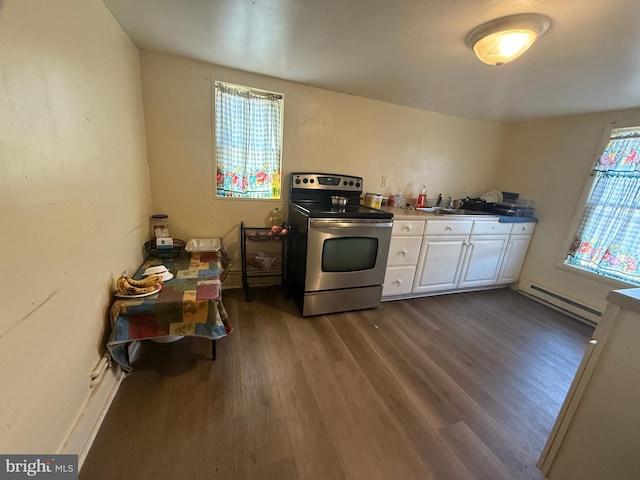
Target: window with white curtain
point(607, 241)
point(248, 133)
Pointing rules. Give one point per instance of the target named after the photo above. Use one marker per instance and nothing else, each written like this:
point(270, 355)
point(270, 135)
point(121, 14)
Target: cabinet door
point(439, 263)
point(483, 260)
point(514, 258)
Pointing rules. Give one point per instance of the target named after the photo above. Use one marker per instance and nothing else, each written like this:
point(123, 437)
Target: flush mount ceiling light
point(504, 39)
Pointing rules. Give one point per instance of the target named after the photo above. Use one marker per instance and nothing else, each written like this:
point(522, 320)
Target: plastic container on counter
point(160, 226)
point(373, 200)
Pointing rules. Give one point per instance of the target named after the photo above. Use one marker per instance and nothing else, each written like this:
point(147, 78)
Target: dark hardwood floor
point(463, 386)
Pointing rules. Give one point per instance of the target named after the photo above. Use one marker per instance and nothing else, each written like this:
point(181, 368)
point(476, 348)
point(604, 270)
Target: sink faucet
point(450, 202)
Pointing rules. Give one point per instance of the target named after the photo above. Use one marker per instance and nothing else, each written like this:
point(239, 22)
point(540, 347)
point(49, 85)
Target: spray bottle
point(422, 198)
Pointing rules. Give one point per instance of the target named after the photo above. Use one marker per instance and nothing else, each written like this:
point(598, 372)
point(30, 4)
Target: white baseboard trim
point(86, 428)
point(560, 302)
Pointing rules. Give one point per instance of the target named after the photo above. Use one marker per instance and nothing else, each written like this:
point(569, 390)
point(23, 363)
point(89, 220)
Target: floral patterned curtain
point(248, 142)
point(608, 238)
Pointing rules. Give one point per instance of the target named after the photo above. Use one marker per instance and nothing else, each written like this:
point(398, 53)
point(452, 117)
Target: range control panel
point(325, 181)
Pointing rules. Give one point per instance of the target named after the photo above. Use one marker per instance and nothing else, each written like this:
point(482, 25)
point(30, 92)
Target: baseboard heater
point(559, 302)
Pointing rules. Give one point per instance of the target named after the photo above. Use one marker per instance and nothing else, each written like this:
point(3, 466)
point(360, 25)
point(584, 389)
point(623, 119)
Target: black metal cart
point(263, 256)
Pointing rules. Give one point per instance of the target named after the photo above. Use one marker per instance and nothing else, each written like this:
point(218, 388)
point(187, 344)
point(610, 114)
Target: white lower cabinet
point(454, 254)
point(461, 261)
point(514, 258)
point(516, 251)
point(406, 238)
point(440, 262)
point(482, 260)
point(398, 280)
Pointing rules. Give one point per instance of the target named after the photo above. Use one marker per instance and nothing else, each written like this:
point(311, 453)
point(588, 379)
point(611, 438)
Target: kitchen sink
point(451, 211)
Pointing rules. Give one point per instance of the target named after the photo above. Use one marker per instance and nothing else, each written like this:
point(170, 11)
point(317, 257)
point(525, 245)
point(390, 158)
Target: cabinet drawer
point(398, 280)
point(407, 227)
point(523, 228)
point(404, 250)
point(448, 227)
point(491, 227)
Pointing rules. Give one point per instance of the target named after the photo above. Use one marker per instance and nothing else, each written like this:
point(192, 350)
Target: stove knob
point(312, 180)
point(297, 181)
point(305, 180)
point(351, 183)
point(345, 183)
point(358, 184)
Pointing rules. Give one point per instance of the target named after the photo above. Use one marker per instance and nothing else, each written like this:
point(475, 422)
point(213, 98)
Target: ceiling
point(409, 52)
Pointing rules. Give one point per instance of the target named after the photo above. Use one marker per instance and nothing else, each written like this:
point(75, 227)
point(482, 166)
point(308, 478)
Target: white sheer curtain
point(248, 142)
point(608, 238)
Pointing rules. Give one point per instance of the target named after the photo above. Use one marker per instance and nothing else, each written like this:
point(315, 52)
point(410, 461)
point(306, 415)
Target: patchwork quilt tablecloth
point(189, 304)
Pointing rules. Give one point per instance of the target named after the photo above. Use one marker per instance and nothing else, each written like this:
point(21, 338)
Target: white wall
point(74, 206)
point(323, 131)
point(549, 161)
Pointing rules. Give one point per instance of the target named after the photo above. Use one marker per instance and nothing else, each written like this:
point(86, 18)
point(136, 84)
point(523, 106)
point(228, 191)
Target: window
point(607, 241)
point(248, 142)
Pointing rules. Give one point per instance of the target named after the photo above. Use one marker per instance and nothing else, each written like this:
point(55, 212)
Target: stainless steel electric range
point(338, 255)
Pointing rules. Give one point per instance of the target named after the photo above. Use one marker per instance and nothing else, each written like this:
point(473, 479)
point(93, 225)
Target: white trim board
point(86, 428)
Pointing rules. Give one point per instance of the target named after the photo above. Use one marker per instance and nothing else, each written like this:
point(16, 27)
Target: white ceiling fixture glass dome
point(504, 39)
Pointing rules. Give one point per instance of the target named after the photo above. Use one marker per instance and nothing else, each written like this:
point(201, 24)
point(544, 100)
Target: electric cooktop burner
point(317, 210)
point(310, 194)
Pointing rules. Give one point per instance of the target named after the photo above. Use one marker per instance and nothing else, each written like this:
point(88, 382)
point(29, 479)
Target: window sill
point(595, 277)
point(220, 197)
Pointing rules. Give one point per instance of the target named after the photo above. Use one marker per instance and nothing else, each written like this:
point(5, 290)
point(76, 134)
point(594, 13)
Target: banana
point(126, 288)
point(151, 280)
point(121, 285)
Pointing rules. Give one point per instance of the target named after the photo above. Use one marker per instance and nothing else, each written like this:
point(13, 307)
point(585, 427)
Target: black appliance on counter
point(338, 255)
point(509, 206)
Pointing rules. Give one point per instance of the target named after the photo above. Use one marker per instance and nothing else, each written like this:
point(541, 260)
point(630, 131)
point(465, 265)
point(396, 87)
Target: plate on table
point(157, 270)
point(167, 276)
point(140, 295)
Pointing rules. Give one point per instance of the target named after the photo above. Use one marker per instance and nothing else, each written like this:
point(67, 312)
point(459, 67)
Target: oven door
point(346, 252)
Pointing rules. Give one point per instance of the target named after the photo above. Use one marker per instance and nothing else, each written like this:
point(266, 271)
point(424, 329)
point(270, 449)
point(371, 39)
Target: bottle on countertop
point(398, 200)
point(276, 217)
point(422, 198)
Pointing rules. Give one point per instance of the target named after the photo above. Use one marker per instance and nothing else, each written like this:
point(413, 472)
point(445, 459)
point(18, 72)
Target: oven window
point(349, 254)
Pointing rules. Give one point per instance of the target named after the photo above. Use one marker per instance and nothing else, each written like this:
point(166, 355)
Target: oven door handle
point(350, 223)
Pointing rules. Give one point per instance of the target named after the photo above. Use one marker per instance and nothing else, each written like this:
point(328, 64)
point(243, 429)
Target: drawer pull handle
point(404, 253)
point(448, 227)
point(407, 228)
point(399, 281)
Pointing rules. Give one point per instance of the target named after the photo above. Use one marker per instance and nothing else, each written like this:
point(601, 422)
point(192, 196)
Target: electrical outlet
point(383, 181)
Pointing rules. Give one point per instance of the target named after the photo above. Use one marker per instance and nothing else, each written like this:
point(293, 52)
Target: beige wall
point(74, 206)
point(549, 161)
point(76, 189)
point(323, 131)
